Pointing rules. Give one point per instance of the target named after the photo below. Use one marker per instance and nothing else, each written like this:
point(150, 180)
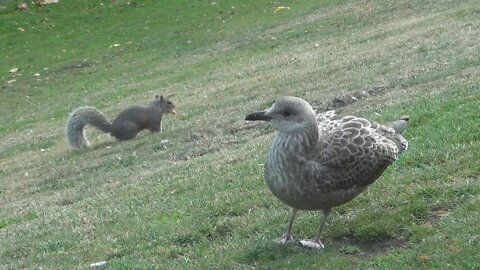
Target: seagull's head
point(288, 114)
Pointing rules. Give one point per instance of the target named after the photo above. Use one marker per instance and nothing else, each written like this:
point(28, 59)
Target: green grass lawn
point(200, 201)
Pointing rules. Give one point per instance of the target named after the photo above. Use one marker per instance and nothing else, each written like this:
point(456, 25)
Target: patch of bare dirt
point(368, 249)
point(349, 98)
point(244, 127)
point(77, 66)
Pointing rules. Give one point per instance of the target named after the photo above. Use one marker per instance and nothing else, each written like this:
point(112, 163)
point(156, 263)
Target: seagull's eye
point(287, 113)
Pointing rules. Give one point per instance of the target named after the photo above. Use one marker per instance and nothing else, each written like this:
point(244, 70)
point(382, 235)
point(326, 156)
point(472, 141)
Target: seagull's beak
point(258, 116)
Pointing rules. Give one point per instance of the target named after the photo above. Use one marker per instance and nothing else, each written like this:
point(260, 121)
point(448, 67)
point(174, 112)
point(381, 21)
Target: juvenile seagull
point(317, 162)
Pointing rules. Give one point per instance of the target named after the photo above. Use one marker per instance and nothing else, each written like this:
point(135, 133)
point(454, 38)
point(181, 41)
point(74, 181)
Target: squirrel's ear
point(161, 97)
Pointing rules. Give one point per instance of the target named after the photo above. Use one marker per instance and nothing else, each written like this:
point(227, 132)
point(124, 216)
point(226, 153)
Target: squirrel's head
point(167, 105)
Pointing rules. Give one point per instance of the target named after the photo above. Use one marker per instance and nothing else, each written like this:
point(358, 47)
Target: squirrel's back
point(138, 114)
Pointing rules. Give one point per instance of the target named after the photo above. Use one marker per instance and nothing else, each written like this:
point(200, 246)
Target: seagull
point(320, 161)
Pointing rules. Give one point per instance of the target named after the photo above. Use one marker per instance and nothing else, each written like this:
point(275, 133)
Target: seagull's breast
point(286, 170)
point(300, 181)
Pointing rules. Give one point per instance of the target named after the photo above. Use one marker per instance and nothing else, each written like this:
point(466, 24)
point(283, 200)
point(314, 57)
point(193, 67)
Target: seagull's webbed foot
point(312, 243)
point(287, 238)
point(315, 243)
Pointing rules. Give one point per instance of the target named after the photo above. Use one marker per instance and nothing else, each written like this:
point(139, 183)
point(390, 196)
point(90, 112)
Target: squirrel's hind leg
point(125, 131)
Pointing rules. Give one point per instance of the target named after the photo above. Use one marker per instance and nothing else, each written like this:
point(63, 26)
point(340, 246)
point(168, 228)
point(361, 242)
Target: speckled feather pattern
point(330, 163)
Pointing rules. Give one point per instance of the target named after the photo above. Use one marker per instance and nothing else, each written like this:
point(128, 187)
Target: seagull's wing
point(354, 151)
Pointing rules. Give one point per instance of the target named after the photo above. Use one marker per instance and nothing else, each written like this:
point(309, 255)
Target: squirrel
point(125, 127)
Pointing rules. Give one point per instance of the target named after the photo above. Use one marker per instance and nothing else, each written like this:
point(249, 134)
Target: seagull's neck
point(301, 144)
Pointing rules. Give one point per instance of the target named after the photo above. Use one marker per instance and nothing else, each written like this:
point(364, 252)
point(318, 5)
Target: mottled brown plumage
point(317, 162)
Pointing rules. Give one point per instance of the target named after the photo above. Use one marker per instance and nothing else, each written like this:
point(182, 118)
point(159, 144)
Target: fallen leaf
point(440, 213)
point(280, 9)
point(427, 225)
point(46, 2)
point(13, 70)
point(11, 81)
point(423, 258)
point(98, 265)
point(21, 29)
point(454, 249)
point(114, 45)
point(22, 6)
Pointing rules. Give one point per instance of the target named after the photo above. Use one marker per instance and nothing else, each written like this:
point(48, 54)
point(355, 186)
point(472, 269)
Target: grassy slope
point(201, 201)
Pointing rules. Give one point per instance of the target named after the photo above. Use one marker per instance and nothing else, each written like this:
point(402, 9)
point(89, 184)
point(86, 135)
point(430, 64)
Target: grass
point(200, 201)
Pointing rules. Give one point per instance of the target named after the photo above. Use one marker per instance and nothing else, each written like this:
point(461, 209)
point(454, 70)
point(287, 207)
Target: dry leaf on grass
point(440, 213)
point(46, 2)
point(22, 7)
point(422, 258)
point(454, 249)
point(280, 9)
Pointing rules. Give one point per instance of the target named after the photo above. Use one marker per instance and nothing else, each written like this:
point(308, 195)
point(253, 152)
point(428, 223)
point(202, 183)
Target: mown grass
point(199, 201)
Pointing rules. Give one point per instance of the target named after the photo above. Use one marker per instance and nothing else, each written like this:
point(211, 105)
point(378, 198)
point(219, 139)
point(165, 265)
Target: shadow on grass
point(346, 246)
point(367, 249)
point(266, 252)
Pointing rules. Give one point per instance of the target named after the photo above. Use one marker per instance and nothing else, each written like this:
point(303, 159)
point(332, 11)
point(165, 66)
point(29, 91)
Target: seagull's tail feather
point(399, 125)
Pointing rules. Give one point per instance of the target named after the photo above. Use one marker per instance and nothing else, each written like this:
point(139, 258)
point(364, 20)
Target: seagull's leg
point(315, 243)
point(288, 236)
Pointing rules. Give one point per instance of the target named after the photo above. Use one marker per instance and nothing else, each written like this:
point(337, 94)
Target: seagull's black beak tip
point(256, 116)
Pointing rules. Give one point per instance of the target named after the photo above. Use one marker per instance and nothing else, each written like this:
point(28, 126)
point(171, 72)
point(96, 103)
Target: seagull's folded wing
point(354, 150)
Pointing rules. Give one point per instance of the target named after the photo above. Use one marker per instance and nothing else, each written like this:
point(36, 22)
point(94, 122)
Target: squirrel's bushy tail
point(81, 117)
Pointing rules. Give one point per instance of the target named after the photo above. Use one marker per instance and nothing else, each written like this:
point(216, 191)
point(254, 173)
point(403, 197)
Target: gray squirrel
point(125, 127)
